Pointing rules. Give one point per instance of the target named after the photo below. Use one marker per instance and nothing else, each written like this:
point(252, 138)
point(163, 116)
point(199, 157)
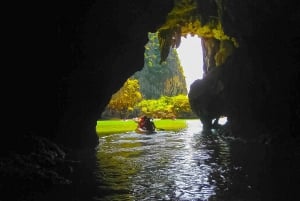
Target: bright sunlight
point(191, 58)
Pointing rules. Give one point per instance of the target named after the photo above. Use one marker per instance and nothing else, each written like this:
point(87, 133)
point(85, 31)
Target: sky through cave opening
point(191, 57)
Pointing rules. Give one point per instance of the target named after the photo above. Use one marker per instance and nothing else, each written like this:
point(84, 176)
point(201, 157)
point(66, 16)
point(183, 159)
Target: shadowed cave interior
point(72, 56)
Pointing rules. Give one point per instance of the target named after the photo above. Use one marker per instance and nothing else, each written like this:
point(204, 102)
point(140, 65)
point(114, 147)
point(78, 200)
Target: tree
point(126, 98)
point(181, 106)
point(167, 107)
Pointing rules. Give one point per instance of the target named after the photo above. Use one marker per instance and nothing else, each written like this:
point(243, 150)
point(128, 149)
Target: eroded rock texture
point(259, 76)
point(207, 98)
point(75, 55)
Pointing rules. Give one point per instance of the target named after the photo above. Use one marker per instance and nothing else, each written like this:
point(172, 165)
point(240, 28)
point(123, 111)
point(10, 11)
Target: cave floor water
point(183, 165)
point(186, 165)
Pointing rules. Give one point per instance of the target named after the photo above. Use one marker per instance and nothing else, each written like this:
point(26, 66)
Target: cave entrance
point(191, 58)
point(183, 26)
point(162, 84)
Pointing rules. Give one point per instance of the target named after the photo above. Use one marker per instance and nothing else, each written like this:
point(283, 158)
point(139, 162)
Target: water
point(185, 165)
point(188, 165)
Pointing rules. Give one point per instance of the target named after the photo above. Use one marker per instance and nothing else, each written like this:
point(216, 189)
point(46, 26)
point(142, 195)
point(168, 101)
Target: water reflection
point(187, 165)
point(190, 165)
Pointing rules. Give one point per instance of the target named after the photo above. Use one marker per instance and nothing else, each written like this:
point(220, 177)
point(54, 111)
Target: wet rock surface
point(35, 166)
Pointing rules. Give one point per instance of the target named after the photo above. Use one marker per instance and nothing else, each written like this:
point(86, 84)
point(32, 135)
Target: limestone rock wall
point(70, 57)
point(263, 67)
point(113, 40)
point(260, 75)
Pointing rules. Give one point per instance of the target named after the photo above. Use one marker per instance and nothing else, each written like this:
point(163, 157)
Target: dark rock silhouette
point(207, 98)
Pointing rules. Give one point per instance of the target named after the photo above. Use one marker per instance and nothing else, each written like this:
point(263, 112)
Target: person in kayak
point(141, 122)
point(146, 123)
point(149, 124)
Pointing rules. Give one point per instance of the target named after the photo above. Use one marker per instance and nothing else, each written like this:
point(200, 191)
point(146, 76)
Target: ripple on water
point(166, 166)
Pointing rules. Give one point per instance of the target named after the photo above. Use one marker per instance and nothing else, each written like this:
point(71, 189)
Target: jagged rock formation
point(242, 42)
point(206, 98)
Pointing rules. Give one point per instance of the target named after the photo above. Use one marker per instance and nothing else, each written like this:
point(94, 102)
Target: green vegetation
point(158, 90)
point(105, 127)
point(166, 107)
point(125, 99)
point(163, 108)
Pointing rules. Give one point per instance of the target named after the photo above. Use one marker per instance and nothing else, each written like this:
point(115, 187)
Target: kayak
point(143, 131)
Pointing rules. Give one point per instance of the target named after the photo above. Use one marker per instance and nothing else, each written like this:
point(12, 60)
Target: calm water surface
point(185, 165)
point(182, 166)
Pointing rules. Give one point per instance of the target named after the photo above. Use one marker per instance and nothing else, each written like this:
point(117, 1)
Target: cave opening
point(191, 58)
point(183, 21)
point(157, 80)
point(190, 53)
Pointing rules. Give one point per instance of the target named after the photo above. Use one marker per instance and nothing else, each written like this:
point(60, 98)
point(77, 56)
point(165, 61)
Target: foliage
point(181, 106)
point(125, 99)
point(166, 107)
